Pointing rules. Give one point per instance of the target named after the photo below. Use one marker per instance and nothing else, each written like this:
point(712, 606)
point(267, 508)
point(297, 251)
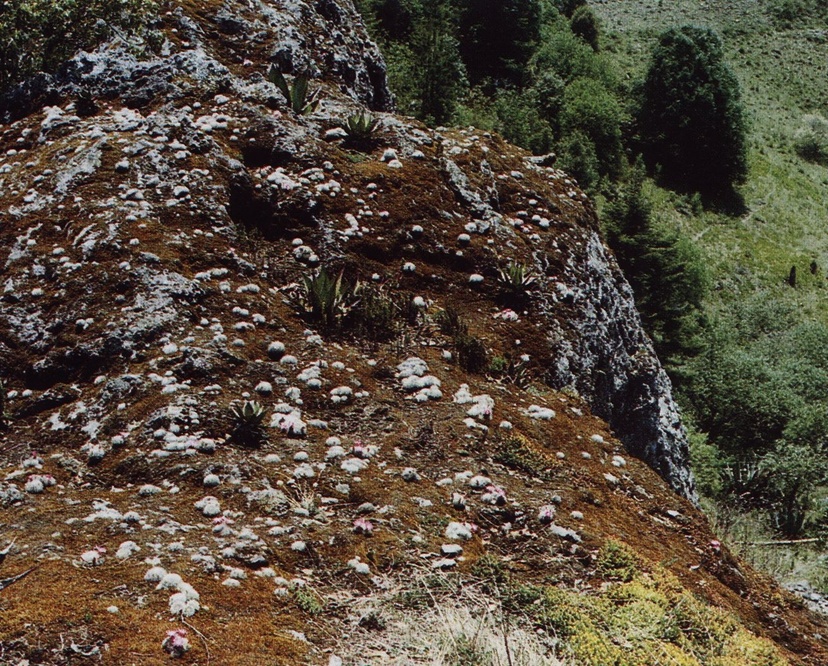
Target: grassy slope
point(783, 75)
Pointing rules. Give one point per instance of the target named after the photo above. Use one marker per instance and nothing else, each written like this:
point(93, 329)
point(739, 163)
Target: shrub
point(570, 58)
point(516, 452)
point(307, 601)
point(489, 568)
point(301, 99)
point(690, 119)
point(520, 121)
point(811, 140)
point(450, 322)
point(439, 73)
point(548, 93)
point(497, 37)
point(39, 35)
point(375, 316)
point(590, 108)
point(585, 25)
point(665, 270)
point(471, 353)
point(617, 561)
point(792, 13)
point(568, 7)
point(578, 159)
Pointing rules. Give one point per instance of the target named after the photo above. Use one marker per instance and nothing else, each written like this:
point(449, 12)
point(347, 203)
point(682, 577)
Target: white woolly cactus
point(358, 566)
point(479, 482)
point(169, 581)
point(290, 423)
point(94, 452)
point(459, 531)
point(482, 408)
point(186, 602)
point(342, 395)
point(538, 412)
point(209, 506)
point(127, 549)
point(155, 574)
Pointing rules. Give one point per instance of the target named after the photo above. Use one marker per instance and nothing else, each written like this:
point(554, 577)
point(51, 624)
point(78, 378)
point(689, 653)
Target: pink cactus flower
point(360, 450)
point(546, 514)
point(176, 642)
point(363, 526)
point(494, 495)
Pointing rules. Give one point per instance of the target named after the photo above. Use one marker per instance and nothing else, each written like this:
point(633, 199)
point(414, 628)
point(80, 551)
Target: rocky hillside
point(459, 428)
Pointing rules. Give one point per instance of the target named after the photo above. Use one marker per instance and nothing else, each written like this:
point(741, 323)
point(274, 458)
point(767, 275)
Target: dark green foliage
point(585, 25)
point(589, 108)
point(301, 99)
point(760, 393)
point(570, 58)
point(497, 38)
point(691, 120)
point(796, 466)
point(578, 159)
point(548, 92)
point(795, 13)
point(664, 269)
point(472, 355)
point(521, 123)
point(393, 19)
point(440, 73)
point(568, 7)
point(39, 35)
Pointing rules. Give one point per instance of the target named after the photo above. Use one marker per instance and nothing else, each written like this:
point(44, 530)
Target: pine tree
point(664, 270)
point(441, 76)
point(691, 121)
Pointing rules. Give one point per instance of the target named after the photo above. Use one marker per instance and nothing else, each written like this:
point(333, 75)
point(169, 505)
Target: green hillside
point(783, 72)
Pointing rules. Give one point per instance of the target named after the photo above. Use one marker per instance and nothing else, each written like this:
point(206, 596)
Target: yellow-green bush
point(745, 648)
point(593, 649)
point(649, 620)
point(617, 561)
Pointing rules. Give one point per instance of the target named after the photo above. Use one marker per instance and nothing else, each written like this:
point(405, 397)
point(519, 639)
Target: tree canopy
point(691, 120)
